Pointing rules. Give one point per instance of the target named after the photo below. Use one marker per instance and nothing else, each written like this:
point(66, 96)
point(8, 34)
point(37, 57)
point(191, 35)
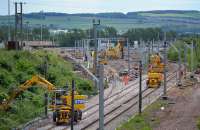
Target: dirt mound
point(184, 110)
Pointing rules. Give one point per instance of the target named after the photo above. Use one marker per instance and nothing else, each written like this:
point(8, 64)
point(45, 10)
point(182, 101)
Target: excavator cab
point(155, 71)
point(62, 108)
point(60, 103)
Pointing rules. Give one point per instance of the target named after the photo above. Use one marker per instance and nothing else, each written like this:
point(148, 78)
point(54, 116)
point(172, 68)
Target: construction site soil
point(183, 110)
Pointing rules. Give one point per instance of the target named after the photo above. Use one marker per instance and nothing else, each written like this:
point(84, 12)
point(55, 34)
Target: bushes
point(198, 123)
point(84, 87)
point(5, 78)
point(3, 96)
point(18, 66)
point(173, 54)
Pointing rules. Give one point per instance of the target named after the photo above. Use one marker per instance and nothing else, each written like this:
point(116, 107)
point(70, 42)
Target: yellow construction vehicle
point(62, 107)
point(155, 71)
point(5, 105)
point(111, 53)
point(60, 103)
point(154, 79)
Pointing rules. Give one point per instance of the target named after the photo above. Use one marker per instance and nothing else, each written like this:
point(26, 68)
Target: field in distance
point(180, 21)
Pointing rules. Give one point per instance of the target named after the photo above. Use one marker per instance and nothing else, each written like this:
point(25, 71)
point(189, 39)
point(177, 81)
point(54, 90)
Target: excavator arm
point(35, 80)
point(112, 53)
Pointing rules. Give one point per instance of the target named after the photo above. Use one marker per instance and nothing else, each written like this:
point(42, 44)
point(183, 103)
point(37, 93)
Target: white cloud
point(93, 6)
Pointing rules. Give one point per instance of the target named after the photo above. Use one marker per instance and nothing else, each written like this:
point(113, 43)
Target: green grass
point(18, 66)
point(121, 24)
point(137, 123)
point(177, 15)
point(198, 123)
point(144, 121)
point(173, 54)
point(71, 22)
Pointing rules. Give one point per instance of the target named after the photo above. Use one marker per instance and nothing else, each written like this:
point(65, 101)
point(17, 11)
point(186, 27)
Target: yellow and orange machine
point(155, 71)
point(35, 80)
point(60, 103)
point(111, 53)
point(62, 106)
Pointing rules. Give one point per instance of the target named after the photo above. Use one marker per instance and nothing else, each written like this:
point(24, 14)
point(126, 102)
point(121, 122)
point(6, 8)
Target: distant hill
point(114, 14)
point(103, 15)
point(170, 11)
point(183, 21)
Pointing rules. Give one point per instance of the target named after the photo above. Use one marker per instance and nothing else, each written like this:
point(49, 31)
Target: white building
point(2, 45)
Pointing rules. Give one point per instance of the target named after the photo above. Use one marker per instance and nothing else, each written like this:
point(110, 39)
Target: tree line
point(67, 38)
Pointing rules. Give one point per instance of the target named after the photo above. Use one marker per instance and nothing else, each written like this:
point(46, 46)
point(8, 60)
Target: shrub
point(19, 66)
point(198, 123)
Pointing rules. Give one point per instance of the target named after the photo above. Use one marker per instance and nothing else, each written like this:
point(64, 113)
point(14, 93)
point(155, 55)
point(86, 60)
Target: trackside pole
point(101, 97)
point(165, 71)
point(72, 102)
point(140, 87)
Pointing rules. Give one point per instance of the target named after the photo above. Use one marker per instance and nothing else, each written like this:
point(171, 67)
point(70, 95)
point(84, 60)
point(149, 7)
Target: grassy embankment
point(145, 121)
point(198, 123)
point(18, 66)
point(173, 55)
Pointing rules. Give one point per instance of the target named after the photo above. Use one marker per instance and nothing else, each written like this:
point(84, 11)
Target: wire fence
point(35, 123)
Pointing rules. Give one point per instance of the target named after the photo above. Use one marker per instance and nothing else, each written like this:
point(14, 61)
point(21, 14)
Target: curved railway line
point(121, 106)
point(115, 105)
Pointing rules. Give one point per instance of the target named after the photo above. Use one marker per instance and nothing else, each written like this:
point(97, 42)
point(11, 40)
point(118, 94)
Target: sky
point(97, 6)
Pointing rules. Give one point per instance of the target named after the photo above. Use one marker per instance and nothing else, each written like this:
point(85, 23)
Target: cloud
point(94, 6)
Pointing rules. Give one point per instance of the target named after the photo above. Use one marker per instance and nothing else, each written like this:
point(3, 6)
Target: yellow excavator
point(111, 53)
point(35, 80)
point(60, 104)
point(155, 71)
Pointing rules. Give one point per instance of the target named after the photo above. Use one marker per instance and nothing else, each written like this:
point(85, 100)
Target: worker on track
point(125, 79)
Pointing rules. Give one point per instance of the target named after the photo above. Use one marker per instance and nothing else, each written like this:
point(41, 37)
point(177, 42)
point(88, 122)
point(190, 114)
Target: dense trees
point(180, 44)
point(149, 34)
point(67, 38)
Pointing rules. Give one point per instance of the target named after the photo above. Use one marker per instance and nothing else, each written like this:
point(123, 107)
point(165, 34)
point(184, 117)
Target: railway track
point(113, 108)
point(119, 109)
point(115, 105)
point(108, 101)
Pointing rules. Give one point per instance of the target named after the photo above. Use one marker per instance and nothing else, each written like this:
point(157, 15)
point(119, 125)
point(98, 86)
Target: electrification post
point(152, 46)
point(18, 23)
point(21, 24)
point(101, 97)
point(46, 104)
point(185, 61)
point(27, 31)
point(165, 71)
point(140, 87)
point(192, 60)
point(158, 42)
point(179, 67)
point(45, 75)
point(95, 44)
point(179, 64)
point(41, 33)
point(9, 24)
point(128, 46)
point(149, 52)
point(45, 66)
point(75, 47)
point(67, 87)
point(72, 102)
